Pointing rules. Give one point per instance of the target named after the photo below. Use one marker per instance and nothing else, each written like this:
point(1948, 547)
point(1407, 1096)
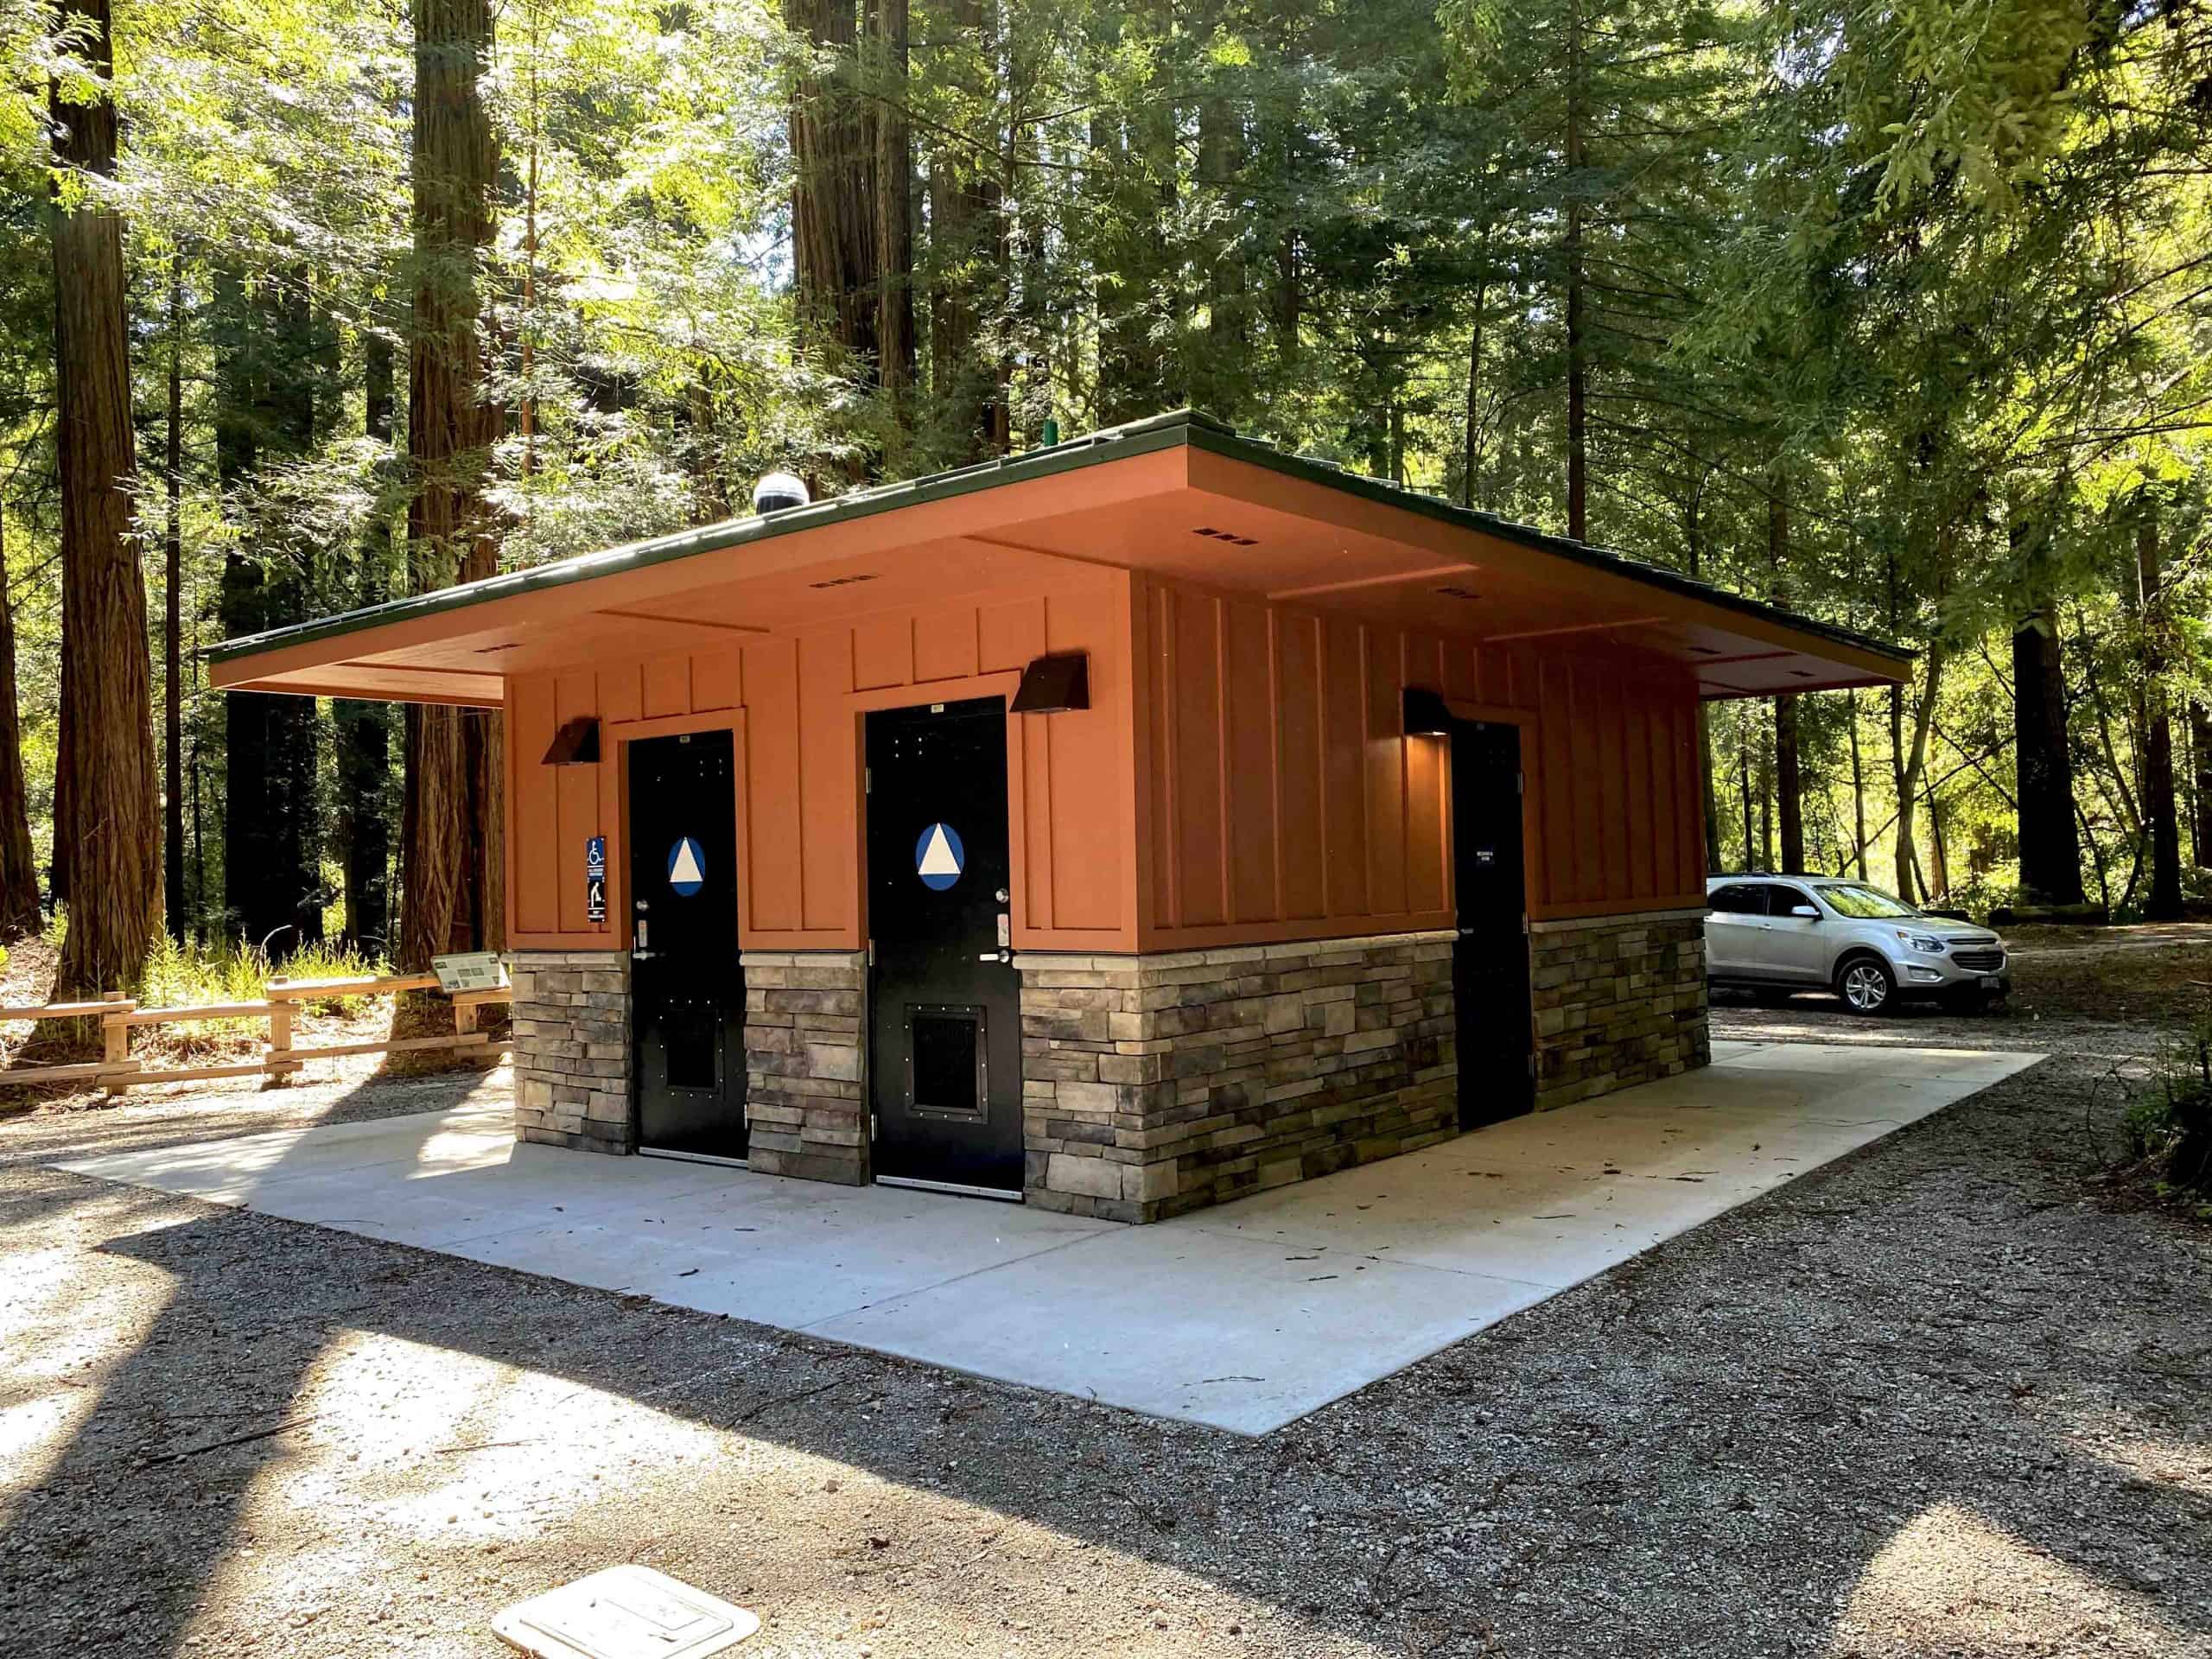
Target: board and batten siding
point(795, 703)
point(1280, 798)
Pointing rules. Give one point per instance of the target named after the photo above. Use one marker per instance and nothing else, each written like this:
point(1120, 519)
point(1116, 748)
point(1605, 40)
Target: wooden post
point(464, 1019)
point(280, 1042)
point(115, 1046)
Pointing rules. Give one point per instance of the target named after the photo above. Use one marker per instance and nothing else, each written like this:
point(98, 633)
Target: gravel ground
point(1949, 1395)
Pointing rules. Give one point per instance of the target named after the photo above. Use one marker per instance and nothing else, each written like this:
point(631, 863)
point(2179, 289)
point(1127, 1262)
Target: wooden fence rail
point(116, 1071)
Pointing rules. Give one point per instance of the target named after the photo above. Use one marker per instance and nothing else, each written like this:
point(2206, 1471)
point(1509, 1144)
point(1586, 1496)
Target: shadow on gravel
point(1573, 1471)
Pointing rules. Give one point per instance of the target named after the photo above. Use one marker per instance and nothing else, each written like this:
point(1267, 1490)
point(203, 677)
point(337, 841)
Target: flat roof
point(1084, 501)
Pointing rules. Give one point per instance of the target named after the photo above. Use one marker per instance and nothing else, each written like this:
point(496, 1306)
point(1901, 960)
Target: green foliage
point(1930, 276)
point(229, 971)
point(2170, 1125)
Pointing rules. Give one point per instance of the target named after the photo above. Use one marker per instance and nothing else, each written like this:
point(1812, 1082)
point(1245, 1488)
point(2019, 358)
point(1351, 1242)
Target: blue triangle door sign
point(687, 867)
point(939, 857)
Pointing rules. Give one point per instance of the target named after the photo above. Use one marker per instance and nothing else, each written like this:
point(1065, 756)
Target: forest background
point(1897, 314)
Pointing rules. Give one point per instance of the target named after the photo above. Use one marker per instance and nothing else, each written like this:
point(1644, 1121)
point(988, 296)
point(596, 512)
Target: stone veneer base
point(572, 1049)
point(1619, 1000)
point(1158, 1085)
point(806, 1063)
point(1152, 1084)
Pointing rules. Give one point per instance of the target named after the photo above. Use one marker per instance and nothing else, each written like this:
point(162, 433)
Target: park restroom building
point(1126, 826)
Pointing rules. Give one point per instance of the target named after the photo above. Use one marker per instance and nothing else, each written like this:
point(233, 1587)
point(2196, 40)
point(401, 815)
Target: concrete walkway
point(1244, 1317)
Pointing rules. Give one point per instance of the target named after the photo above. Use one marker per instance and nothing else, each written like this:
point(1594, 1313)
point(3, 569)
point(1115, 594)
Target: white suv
point(1770, 933)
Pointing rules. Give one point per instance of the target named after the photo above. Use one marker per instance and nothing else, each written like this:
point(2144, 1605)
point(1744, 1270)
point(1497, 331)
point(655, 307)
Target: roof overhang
point(1176, 496)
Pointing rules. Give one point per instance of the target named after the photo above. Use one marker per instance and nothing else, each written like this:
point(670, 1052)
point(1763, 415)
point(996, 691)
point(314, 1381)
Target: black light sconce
point(575, 744)
point(1053, 685)
point(1427, 714)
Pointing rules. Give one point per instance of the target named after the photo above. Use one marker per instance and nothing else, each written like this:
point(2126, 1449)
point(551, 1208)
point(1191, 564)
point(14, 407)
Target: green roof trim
point(1146, 436)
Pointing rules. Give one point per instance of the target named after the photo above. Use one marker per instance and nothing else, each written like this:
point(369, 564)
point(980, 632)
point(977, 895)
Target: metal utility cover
point(622, 1613)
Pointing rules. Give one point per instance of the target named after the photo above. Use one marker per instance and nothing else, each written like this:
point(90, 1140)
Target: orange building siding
point(1286, 801)
point(795, 705)
point(1241, 776)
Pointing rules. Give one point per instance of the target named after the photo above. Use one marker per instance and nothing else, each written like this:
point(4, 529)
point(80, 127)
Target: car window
point(1741, 899)
point(1866, 904)
point(1780, 900)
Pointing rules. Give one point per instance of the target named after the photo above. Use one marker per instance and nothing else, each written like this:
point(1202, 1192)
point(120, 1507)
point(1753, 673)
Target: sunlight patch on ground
point(2124, 1443)
point(437, 1443)
point(420, 1463)
point(1956, 1582)
point(59, 1341)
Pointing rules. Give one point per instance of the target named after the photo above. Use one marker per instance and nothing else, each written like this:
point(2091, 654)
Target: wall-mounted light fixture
point(1426, 714)
point(1053, 685)
point(575, 744)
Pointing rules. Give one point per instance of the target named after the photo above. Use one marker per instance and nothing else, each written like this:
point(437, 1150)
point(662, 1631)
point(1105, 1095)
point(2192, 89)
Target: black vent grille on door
point(949, 1075)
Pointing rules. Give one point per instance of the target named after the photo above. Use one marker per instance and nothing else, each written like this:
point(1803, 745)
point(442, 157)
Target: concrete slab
point(1243, 1318)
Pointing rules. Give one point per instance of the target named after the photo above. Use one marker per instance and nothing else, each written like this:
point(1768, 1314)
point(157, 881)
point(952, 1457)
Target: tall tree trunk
point(2050, 853)
point(1912, 766)
point(449, 845)
point(1471, 455)
point(2200, 748)
point(894, 213)
point(19, 905)
point(1858, 787)
point(172, 619)
point(112, 823)
point(2162, 904)
point(364, 728)
point(1789, 784)
point(1935, 838)
point(834, 216)
point(268, 380)
point(1578, 458)
point(1743, 791)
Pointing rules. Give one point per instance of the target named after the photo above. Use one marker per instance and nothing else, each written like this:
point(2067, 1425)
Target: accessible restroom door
point(687, 992)
point(945, 1004)
point(1489, 963)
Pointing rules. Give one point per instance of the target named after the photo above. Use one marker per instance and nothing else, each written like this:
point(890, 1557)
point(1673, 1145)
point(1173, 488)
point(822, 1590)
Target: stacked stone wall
point(572, 1049)
point(1618, 1000)
point(806, 1063)
point(1155, 1085)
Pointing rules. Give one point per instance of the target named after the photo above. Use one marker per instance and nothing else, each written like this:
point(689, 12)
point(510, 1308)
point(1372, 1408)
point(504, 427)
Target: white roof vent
point(778, 491)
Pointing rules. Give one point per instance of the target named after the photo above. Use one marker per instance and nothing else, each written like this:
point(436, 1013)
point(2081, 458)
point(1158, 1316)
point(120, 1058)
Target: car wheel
point(1867, 985)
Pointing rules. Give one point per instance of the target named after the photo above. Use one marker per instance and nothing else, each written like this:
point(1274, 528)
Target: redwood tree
point(109, 813)
point(2050, 850)
point(19, 907)
point(449, 825)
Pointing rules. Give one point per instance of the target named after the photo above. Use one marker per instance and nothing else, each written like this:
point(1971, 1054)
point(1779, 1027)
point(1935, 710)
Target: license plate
point(1990, 982)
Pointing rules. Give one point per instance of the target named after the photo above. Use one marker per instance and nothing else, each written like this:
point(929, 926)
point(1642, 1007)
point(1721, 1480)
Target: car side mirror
point(1806, 911)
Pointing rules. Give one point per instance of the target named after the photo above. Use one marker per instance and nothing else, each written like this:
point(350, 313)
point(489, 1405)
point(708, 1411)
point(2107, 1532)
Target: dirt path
point(1936, 1398)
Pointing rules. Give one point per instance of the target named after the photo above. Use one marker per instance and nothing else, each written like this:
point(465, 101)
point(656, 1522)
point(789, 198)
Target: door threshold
point(956, 1188)
point(692, 1157)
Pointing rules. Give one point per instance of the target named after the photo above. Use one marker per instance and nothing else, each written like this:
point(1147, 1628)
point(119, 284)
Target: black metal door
point(1490, 964)
point(945, 1012)
point(686, 993)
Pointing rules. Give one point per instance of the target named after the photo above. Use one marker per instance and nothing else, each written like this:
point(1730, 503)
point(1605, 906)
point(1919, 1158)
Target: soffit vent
point(842, 581)
point(1229, 536)
point(1459, 593)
